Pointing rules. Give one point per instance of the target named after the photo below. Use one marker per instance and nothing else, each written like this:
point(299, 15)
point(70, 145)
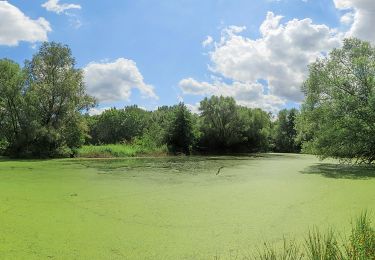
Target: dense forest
point(44, 113)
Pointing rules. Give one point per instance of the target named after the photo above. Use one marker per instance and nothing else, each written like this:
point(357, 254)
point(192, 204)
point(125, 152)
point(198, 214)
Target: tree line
point(44, 104)
point(222, 126)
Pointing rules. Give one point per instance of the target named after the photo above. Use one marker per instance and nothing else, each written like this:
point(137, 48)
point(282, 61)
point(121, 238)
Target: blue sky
point(154, 50)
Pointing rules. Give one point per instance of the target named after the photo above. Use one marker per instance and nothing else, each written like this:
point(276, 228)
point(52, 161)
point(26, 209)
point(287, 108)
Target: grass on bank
point(360, 245)
point(136, 148)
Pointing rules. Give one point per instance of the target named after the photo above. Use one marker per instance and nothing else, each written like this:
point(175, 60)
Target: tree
point(338, 117)
point(180, 133)
point(11, 103)
point(56, 98)
point(255, 129)
point(220, 123)
point(119, 125)
point(285, 133)
point(160, 122)
point(41, 106)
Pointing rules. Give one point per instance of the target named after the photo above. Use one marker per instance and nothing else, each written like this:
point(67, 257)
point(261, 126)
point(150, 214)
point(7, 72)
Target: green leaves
point(225, 126)
point(180, 136)
point(119, 125)
point(338, 116)
point(285, 133)
point(41, 105)
point(221, 126)
point(11, 101)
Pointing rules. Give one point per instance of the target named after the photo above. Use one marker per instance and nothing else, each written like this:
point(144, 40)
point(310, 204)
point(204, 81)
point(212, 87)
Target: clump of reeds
point(360, 245)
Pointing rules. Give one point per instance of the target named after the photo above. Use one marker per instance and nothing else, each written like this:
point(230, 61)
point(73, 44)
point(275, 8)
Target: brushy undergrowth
point(360, 245)
point(136, 148)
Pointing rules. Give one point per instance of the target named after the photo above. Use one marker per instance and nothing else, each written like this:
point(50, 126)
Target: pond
point(173, 208)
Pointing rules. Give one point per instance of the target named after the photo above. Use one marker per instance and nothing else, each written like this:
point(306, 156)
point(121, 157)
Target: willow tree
point(56, 97)
point(41, 105)
point(338, 117)
point(221, 125)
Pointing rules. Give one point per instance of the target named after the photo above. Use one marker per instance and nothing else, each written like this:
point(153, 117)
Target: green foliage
point(337, 118)
point(3, 146)
point(137, 148)
point(12, 103)
point(56, 96)
point(225, 126)
point(326, 246)
point(167, 126)
point(289, 251)
point(220, 126)
point(284, 132)
point(361, 244)
point(41, 106)
point(118, 125)
point(322, 246)
point(180, 133)
point(255, 129)
point(159, 124)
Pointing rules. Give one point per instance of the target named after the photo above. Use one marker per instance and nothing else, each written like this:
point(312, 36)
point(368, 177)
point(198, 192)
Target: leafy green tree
point(136, 122)
point(106, 129)
point(160, 121)
point(56, 97)
point(220, 123)
point(119, 125)
point(180, 133)
point(337, 118)
point(12, 102)
point(255, 129)
point(41, 105)
point(285, 134)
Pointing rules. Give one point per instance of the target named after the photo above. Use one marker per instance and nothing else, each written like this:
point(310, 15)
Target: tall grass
point(289, 251)
point(138, 147)
point(362, 239)
point(360, 245)
point(319, 246)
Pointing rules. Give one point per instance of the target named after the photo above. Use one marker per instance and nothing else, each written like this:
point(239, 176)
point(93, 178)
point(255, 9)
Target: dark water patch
point(342, 171)
point(185, 165)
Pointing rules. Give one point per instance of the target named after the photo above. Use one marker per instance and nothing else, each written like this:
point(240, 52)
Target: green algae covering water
point(172, 208)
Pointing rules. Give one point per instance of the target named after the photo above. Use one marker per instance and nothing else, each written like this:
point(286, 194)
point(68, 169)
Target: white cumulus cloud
point(114, 81)
point(56, 7)
point(347, 18)
point(279, 57)
point(97, 110)
point(363, 17)
point(246, 94)
point(15, 26)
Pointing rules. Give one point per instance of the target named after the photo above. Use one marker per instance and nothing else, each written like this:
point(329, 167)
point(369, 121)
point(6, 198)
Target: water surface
point(172, 208)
